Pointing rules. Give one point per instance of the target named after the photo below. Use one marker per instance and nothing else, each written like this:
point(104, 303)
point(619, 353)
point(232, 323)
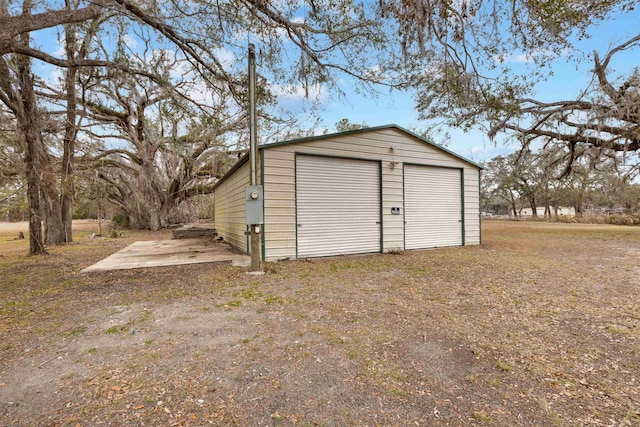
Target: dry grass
point(539, 326)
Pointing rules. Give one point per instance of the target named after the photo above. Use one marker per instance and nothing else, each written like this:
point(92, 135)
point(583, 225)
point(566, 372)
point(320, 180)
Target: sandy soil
point(538, 326)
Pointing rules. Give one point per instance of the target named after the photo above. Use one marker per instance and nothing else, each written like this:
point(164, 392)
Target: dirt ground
point(538, 326)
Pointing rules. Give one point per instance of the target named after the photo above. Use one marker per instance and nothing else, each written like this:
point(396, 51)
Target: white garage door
point(338, 206)
point(433, 207)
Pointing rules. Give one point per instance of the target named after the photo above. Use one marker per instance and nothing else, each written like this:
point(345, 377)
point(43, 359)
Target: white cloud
point(225, 57)
point(526, 58)
point(376, 74)
point(60, 50)
point(199, 92)
point(129, 40)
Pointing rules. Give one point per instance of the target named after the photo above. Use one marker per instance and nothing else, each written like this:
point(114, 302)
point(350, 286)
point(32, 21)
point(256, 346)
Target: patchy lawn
point(538, 326)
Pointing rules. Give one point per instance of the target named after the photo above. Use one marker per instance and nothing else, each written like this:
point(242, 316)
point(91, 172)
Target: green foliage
point(273, 299)
point(248, 293)
point(119, 221)
point(117, 329)
point(115, 233)
point(344, 125)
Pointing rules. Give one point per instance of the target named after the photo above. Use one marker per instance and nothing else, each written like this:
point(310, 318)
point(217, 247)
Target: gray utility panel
point(253, 197)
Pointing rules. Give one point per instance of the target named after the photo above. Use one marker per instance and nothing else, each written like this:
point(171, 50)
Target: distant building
point(560, 211)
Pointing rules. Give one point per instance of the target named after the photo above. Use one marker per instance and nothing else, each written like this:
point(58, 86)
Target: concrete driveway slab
point(160, 253)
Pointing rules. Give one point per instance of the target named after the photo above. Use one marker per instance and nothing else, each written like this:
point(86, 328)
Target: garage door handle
point(299, 225)
point(378, 222)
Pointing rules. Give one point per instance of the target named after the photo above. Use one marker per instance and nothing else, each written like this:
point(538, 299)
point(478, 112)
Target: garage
point(433, 207)
point(370, 190)
point(338, 206)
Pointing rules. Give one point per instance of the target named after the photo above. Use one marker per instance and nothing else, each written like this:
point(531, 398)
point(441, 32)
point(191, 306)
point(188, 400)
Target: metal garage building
point(368, 190)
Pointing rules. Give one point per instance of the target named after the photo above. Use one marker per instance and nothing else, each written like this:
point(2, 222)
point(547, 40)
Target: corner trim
point(295, 196)
point(262, 238)
point(381, 208)
point(404, 213)
point(462, 205)
point(480, 206)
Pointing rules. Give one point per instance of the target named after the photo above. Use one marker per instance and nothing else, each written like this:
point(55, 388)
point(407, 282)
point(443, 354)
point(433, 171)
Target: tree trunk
point(67, 205)
point(151, 192)
point(135, 221)
point(534, 207)
point(36, 243)
point(54, 232)
point(28, 126)
point(69, 140)
point(54, 227)
point(40, 175)
point(99, 215)
point(67, 188)
point(155, 223)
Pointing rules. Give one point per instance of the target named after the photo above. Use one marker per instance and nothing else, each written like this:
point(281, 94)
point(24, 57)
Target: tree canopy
point(528, 179)
point(471, 79)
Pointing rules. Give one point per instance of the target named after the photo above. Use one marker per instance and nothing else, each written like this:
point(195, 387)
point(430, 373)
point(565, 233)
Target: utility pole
point(253, 193)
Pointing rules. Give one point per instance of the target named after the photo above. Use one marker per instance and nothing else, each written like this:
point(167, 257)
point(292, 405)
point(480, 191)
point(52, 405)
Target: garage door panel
point(338, 206)
point(433, 207)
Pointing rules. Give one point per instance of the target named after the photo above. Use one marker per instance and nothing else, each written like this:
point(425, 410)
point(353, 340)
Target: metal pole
point(255, 243)
point(253, 140)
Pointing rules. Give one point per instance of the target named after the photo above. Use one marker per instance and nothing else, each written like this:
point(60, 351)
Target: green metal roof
point(245, 158)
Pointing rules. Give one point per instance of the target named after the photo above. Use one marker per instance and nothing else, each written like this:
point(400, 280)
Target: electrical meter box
point(253, 197)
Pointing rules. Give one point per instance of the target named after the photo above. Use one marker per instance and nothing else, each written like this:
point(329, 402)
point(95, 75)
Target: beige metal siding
point(433, 207)
point(338, 206)
point(471, 206)
point(230, 210)
point(393, 147)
